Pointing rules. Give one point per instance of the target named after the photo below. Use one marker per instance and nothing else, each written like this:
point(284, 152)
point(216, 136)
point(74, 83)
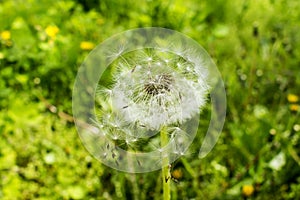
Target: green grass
point(255, 45)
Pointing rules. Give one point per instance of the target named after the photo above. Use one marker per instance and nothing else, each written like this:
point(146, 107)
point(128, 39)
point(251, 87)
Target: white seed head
point(158, 90)
point(150, 86)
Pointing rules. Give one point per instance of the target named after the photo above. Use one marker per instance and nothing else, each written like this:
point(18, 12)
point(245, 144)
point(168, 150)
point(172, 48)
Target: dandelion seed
point(116, 52)
point(104, 155)
point(139, 163)
point(115, 137)
point(113, 155)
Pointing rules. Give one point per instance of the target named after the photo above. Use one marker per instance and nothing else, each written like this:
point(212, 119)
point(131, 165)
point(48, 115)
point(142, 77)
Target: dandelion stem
point(166, 176)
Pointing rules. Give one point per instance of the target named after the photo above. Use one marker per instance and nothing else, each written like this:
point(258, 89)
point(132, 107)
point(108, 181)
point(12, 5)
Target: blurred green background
point(255, 44)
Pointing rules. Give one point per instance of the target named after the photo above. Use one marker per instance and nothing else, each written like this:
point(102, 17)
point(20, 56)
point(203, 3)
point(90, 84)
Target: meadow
point(256, 47)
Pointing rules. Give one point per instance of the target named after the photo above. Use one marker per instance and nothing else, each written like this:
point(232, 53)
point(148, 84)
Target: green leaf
point(221, 31)
point(7, 157)
point(76, 192)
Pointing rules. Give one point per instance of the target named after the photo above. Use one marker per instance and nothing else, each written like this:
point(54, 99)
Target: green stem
point(166, 176)
point(135, 189)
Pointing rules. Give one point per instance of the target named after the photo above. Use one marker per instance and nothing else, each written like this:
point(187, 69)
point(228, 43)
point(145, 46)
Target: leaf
point(7, 157)
point(221, 31)
point(76, 192)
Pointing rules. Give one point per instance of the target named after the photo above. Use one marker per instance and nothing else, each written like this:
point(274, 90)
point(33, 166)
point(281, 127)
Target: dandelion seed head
point(145, 81)
point(157, 93)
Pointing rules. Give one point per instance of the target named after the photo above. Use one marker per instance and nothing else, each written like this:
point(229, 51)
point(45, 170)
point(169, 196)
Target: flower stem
point(166, 176)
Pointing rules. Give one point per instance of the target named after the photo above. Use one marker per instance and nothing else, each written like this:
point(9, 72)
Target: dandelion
point(247, 190)
point(272, 131)
point(152, 90)
point(155, 92)
point(85, 45)
point(144, 86)
point(294, 107)
point(296, 127)
point(150, 86)
point(5, 35)
point(292, 98)
point(52, 31)
point(177, 173)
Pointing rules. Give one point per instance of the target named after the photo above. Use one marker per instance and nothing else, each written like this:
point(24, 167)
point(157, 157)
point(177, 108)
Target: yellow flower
point(294, 107)
point(5, 35)
point(292, 98)
point(248, 190)
point(51, 31)
point(177, 173)
point(85, 45)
